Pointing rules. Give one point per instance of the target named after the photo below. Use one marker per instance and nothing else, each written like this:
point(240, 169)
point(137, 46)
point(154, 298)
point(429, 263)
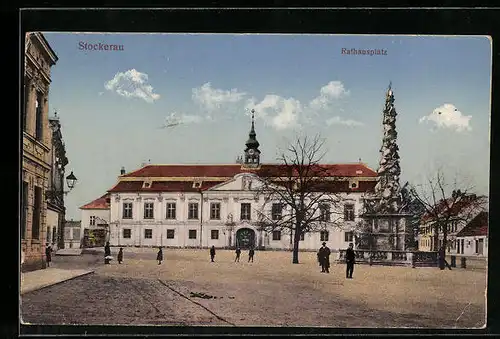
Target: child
point(159, 256)
point(120, 255)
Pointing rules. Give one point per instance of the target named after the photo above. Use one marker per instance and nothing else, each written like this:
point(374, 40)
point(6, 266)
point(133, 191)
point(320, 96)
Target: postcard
point(273, 180)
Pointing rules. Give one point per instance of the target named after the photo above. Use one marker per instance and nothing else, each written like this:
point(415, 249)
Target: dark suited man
point(324, 258)
point(349, 259)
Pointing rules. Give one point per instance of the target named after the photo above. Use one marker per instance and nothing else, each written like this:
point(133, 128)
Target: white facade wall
point(103, 214)
point(471, 243)
point(230, 195)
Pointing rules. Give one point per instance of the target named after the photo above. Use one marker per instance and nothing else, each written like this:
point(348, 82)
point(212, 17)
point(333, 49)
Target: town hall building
point(197, 206)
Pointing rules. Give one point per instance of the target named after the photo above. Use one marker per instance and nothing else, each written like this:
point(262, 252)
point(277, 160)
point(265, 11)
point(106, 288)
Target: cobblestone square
point(187, 289)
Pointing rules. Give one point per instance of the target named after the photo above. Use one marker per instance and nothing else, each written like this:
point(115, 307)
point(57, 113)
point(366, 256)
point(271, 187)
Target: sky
point(186, 98)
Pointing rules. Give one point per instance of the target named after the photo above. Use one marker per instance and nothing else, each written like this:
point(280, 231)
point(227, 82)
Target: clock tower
point(252, 153)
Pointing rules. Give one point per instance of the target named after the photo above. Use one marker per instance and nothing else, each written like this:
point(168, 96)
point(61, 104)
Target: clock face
point(251, 152)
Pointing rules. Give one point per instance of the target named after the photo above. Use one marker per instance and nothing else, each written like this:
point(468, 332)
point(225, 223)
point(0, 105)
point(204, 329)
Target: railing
point(393, 258)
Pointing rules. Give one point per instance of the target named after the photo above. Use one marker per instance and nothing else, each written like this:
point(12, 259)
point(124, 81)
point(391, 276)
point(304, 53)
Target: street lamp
point(70, 181)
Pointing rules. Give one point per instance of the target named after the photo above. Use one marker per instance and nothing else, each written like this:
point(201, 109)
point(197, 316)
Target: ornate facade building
point(204, 205)
point(56, 210)
point(37, 140)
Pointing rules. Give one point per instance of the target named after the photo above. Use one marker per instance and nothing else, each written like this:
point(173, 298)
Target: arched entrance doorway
point(245, 238)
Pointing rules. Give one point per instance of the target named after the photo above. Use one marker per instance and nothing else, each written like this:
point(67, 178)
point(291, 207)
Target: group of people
point(251, 253)
point(324, 259)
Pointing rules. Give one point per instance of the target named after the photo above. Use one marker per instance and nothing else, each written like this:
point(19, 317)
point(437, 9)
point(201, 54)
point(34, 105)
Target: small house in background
point(72, 233)
point(95, 222)
point(473, 238)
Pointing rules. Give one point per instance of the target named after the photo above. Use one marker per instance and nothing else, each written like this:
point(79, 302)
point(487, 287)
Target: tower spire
point(252, 153)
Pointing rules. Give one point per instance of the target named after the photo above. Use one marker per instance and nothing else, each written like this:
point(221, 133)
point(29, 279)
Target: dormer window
point(354, 185)
point(147, 184)
point(196, 184)
point(359, 172)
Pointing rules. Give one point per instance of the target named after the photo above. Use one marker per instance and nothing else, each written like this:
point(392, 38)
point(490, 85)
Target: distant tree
point(443, 203)
point(302, 192)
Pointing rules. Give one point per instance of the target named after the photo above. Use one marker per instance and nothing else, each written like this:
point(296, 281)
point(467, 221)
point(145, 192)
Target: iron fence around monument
point(392, 258)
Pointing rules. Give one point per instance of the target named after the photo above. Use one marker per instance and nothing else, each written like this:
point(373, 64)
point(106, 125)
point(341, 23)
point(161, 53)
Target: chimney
point(122, 171)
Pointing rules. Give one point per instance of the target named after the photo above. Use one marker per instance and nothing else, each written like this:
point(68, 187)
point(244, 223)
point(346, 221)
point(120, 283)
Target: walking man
point(251, 252)
point(120, 255)
point(48, 254)
point(324, 257)
point(159, 256)
point(238, 252)
point(212, 253)
point(349, 259)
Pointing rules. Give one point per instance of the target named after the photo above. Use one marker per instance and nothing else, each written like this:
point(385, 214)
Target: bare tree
point(444, 203)
point(301, 191)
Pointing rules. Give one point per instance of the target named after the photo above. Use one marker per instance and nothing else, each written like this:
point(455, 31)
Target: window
point(192, 234)
point(76, 233)
point(39, 116)
point(193, 210)
point(127, 233)
point(127, 210)
point(477, 246)
point(25, 209)
point(171, 210)
point(276, 235)
point(214, 234)
point(170, 234)
point(37, 211)
point(276, 212)
point(302, 235)
point(48, 234)
point(92, 220)
point(349, 212)
point(324, 212)
point(148, 233)
point(348, 236)
point(54, 234)
point(245, 211)
point(323, 236)
point(148, 210)
point(215, 211)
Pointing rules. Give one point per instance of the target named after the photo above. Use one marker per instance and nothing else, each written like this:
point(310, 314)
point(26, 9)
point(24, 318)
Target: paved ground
point(269, 292)
point(35, 280)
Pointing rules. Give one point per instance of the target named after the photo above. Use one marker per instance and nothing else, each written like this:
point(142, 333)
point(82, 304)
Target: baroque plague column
point(36, 166)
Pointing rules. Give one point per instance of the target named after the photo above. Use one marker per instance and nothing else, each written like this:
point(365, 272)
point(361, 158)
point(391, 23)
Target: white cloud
point(175, 119)
point(339, 121)
point(448, 116)
point(332, 91)
point(277, 111)
point(132, 84)
point(213, 98)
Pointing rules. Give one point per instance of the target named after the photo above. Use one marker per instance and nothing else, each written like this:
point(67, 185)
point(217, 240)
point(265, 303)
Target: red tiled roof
point(187, 186)
point(162, 186)
point(476, 227)
point(456, 207)
point(230, 170)
point(101, 203)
